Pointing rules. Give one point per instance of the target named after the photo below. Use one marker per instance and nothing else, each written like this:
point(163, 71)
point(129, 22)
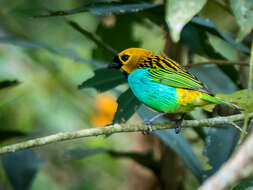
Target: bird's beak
point(114, 65)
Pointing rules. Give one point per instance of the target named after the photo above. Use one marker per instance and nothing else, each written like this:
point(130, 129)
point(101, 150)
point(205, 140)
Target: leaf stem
point(246, 113)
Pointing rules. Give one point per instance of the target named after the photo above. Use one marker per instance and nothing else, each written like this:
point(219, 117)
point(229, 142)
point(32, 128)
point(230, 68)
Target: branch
point(91, 36)
point(246, 119)
point(236, 169)
point(118, 128)
point(218, 62)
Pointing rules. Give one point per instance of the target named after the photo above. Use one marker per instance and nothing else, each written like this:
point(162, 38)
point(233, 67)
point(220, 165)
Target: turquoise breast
point(157, 96)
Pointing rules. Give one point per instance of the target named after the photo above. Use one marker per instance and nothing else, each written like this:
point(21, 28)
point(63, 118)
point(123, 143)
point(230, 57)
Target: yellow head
point(131, 59)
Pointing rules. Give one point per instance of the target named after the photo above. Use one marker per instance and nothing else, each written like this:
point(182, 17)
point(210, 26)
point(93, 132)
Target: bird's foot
point(150, 130)
point(179, 124)
point(178, 128)
point(149, 123)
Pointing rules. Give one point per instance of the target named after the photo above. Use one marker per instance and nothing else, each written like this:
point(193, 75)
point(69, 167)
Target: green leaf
point(155, 14)
point(104, 79)
point(196, 39)
point(178, 13)
point(219, 145)
point(75, 154)
point(176, 142)
point(127, 105)
point(245, 185)
point(91, 37)
point(196, 27)
point(143, 158)
point(8, 83)
point(209, 26)
point(34, 45)
point(224, 48)
point(227, 51)
point(243, 11)
point(9, 134)
point(103, 9)
point(21, 168)
point(124, 26)
point(181, 146)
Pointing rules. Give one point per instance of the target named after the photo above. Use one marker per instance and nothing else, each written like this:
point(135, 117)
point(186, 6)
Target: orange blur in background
point(105, 108)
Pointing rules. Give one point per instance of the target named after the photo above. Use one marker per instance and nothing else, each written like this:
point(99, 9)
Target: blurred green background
point(48, 48)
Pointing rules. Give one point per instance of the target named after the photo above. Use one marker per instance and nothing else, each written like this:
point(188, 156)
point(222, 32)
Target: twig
point(218, 62)
point(236, 126)
point(246, 119)
point(91, 36)
point(238, 168)
point(117, 128)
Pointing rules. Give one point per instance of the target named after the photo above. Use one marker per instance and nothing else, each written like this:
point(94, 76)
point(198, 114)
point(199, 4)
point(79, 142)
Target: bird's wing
point(177, 79)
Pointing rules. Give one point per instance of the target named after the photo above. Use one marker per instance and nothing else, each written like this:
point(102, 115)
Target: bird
point(163, 85)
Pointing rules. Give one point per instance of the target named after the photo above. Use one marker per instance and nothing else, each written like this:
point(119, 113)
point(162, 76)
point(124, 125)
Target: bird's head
point(131, 59)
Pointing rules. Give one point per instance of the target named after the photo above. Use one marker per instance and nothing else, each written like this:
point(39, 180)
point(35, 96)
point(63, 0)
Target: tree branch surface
point(117, 128)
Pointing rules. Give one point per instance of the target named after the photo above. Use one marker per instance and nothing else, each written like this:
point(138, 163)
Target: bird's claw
point(178, 128)
point(150, 130)
point(179, 123)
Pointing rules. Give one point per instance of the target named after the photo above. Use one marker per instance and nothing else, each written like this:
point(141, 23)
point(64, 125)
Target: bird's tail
point(215, 100)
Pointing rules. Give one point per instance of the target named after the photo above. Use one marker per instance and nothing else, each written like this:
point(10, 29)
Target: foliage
point(40, 41)
point(244, 16)
point(15, 171)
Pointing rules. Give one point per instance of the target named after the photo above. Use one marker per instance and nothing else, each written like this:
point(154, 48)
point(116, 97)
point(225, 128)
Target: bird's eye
point(124, 57)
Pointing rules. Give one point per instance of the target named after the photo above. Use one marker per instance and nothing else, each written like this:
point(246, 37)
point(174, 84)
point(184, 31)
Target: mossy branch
point(117, 128)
